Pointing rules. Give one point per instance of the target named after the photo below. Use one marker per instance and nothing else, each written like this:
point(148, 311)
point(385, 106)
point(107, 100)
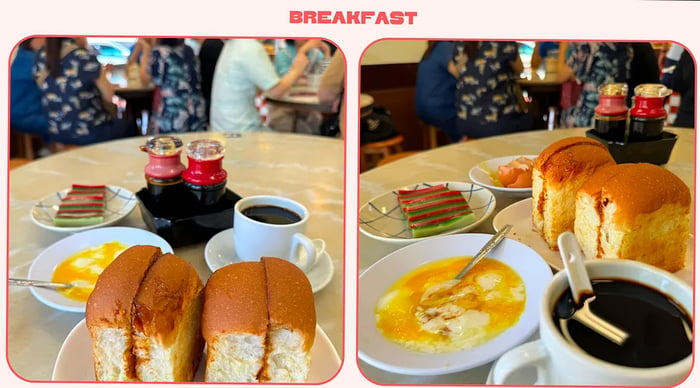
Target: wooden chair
point(26, 143)
point(371, 153)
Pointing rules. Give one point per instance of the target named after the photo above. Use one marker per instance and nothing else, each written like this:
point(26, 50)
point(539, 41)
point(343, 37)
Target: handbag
point(570, 92)
point(376, 125)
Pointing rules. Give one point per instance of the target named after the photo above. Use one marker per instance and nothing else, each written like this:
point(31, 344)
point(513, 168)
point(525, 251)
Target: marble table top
point(452, 163)
point(257, 163)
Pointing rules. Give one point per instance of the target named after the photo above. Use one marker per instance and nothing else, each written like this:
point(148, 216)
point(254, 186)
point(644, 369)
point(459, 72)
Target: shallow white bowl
point(481, 177)
point(44, 265)
point(376, 350)
point(381, 218)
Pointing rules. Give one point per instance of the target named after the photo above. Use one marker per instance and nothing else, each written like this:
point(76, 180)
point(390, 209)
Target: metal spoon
point(439, 293)
point(39, 283)
point(582, 290)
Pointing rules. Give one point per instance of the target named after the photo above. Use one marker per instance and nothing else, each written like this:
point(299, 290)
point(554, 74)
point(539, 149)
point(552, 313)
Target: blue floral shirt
point(485, 84)
point(175, 72)
point(72, 102)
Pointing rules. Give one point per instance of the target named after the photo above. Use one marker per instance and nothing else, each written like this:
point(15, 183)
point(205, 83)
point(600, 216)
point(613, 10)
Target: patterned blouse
point(72, 102)
point(594, 64)
point(485, 84)
point(175, 72)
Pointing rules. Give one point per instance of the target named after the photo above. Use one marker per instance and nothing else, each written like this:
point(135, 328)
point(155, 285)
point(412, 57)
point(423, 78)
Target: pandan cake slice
point(83, 205)
point(434, 210)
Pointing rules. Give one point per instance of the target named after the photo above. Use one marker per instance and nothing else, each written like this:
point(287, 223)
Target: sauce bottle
point(205, 177)
point(164, 169)
point(648, 115)
point(610, 115)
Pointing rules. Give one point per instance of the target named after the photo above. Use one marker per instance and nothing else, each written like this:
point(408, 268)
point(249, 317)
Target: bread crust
point(636, 188)
point(290, 299)
point(235, 301)
point(568, 157)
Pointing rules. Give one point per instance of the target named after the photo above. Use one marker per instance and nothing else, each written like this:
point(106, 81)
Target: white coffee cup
point(255, 238)
point(558, 362)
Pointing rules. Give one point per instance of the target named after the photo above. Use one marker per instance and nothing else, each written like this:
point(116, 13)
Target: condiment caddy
point(634, 134)
point(186, 204)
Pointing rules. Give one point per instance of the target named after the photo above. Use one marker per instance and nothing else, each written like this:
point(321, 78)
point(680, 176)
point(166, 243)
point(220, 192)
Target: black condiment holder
point(642, 140)
point(194, 205)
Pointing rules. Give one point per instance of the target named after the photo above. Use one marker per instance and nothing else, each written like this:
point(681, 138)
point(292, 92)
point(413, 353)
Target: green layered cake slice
point(434, 210)
point(83, 205)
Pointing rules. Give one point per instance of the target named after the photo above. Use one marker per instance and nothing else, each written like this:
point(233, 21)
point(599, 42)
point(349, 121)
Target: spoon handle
point(495, 240)
point(573, 259)
point(38, 283)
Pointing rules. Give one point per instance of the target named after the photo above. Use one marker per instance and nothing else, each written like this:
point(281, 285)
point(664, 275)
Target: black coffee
point(271, 214)
point(660, 330)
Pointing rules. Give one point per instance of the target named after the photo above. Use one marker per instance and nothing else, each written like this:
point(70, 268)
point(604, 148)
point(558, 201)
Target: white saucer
point(220, 251)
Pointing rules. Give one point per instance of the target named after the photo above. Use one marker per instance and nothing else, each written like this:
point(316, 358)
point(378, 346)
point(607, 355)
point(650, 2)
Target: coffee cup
point(273, 226)
point(568, 353)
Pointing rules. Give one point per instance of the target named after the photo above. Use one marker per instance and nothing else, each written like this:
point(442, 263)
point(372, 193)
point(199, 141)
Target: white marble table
point(308, 169)
point(452, 163)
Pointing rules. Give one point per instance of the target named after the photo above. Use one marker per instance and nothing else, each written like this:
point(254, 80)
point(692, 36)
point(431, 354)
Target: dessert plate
point(119, 202)
point(484, 174)
point(381, 218)
point(74, 361)
point(519, 215)
point(42, 268)
point(220, 251)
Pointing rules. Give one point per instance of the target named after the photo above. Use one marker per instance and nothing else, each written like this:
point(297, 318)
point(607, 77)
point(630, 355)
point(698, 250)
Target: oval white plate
point(384, 354)
point(481, 177)
point(519, 215)
point(43, 266)
point(74, 361)
point(381, 218)
point(119, 202)
point(221, 251)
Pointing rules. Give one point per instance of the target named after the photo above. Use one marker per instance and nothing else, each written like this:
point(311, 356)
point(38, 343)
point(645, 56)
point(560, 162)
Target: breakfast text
point(352, 17)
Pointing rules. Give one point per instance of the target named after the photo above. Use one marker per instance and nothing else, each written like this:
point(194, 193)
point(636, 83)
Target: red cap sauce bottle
point(205, 177)
point(610, 118)
point(648, 115)
point(164, 169)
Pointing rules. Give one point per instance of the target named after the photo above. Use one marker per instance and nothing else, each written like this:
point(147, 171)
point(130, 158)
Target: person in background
point(435, 89)
point(26, 114)
point(593, 64)
point(683, 82)
point(489, 101)
point(644, 68)
point(285, 55)
point(541, 51)
point(243, 68)
point(208, 56)
point(174, 70)
point(76, 95)
point(330, 91)
point(138, 48)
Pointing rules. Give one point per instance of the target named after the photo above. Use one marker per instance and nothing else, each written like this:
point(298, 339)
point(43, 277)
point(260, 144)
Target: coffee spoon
point(582, 291)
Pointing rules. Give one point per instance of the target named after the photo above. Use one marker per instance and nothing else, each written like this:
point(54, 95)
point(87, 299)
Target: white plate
point(519, 215)
point(221, 251)
point(43, 266)
point(481, 177)
point(119, 202)
point(376, 350)
point(381, 218)
point(74, 361)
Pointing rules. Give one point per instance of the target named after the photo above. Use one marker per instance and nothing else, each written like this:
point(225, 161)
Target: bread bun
point(259, 322)
point(143, 317)
point(634, 211)
point(109, 313)
point(558, 172)
point(168, 341)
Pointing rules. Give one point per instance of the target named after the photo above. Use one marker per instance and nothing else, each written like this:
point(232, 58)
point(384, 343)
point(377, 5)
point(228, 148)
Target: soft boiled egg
point(82, 269)
point(486, 302)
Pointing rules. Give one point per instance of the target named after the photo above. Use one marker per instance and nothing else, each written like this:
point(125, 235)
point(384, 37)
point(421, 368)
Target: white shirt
point(243, 67)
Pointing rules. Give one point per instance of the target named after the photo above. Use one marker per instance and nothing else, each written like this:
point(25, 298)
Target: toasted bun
point(109, 312)
point(634, 211)
point(636, 188)
point(569, 157)
point(558, 172)
point(168, 340)
point(292, 312)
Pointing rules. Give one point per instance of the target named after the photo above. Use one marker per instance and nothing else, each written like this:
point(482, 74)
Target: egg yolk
point(83, 268)
point(486, 302)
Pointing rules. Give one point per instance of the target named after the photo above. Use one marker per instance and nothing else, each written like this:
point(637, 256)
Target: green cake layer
point(83, 205)
point(434, 210)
